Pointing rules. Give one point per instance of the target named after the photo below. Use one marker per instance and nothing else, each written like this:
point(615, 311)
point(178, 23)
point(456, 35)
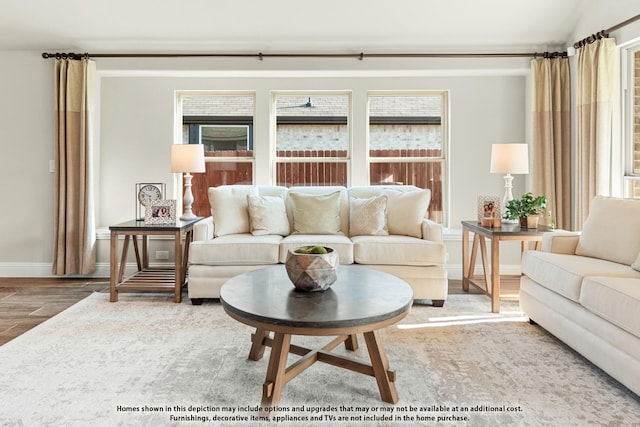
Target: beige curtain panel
point(74, 224)
point(599, 157)
point(551, 146)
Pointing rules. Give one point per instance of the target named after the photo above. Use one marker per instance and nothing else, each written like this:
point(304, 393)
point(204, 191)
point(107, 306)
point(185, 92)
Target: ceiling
point(251, 26)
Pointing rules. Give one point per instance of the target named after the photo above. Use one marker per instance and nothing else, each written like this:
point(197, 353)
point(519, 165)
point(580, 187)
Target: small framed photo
point(160, 212)
point(488, 207)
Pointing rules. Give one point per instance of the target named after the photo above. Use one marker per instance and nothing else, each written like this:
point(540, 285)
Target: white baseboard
point(44, 270)
point(454, 271)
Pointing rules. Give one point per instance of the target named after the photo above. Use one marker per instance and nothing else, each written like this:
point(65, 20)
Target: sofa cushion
point(340, 243)
point(614, 299)
point(612, 230)
point(368, 216)
point(397, 250)
point(406, 210)
point(229, 208)
point(316, 214)
point(236, 249)
point(564, 273)
point(267, 215)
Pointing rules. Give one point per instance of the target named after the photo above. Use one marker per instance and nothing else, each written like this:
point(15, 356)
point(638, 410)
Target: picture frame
point(145, 193)
point(487, 204)
point(160, 212)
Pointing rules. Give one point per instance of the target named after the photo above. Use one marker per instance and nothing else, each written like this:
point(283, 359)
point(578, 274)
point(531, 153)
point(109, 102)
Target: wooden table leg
point(465, 259)
point(495, 275)
point(178, 268)
point(145, 252)
point(380, 365)
point(257, 344)
point(113, 267)
point(188, 238)
point(351, 343)
point(137, 252)
point(275, 379)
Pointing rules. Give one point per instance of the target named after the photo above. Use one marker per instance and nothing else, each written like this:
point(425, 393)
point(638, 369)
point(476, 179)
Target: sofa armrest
point(432, 231)
point(561, 242)
point(203, 229)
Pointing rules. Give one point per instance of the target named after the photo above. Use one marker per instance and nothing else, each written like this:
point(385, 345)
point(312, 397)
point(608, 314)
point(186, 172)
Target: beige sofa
point(584, 288)
point(382, 227)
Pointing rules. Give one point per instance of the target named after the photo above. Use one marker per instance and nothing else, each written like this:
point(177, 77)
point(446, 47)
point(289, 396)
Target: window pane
point(224, 125)
point(310, 127)
point(406, 144)
point(410, 126)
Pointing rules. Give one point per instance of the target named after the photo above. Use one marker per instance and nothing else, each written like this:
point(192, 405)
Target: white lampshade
point(510, 158)
point(187, 158)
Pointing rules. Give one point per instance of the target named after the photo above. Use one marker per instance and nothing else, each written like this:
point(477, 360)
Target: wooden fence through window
point(294, 172)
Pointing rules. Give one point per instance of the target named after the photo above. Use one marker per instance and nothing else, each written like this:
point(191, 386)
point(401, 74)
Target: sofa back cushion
point(407, 206)
point(229, 208)
point(612, 230)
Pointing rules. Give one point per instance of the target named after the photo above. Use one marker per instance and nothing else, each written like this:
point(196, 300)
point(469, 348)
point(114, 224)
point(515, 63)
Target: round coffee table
point(362, 300)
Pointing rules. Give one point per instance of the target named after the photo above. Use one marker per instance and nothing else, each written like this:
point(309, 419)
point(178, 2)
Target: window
point(407, 141)
point(223, 123)
point(632, 178)
point(312, 138)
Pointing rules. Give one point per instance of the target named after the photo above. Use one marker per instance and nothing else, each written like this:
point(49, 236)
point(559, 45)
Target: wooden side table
point(149, 279)
point(508, 232)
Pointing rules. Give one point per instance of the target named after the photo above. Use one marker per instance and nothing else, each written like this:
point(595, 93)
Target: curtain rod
point(604, 33)
point(261, 56)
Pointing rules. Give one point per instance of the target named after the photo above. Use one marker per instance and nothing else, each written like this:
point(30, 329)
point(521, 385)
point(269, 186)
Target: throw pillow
point(229, 209)
point(316, 214)
point(406, 210)
point(368, 217)
point(267, 215)
point(611, 230)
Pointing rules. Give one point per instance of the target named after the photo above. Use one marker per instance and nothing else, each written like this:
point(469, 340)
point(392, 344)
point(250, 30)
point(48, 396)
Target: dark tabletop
point(506, 229)
point(360, 296)
point(139, 225)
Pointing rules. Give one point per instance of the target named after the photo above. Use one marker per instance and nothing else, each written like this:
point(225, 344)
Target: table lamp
point(509, 159)
point(187, 158)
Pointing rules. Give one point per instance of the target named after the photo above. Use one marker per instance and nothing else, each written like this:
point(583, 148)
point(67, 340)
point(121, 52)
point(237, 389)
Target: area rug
point(146, 361)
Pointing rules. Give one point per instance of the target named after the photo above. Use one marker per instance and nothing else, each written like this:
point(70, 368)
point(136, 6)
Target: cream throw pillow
point(406, 210)
point(368, 217)
point(229, 209)
point(611, 230)
point(267, 215)
point(316, 214)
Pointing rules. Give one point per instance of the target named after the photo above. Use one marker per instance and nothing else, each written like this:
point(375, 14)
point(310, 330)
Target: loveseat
point(381, 227)
point(584, 288)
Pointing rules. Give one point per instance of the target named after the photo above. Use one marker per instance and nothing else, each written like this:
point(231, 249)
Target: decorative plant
point(528, 205)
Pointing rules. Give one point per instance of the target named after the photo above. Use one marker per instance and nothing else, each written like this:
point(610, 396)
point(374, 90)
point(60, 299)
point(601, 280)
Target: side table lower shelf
point(151, 279)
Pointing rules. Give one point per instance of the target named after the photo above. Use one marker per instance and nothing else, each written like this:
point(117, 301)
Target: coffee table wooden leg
point(380, 365)
point(351, 343)
point(275, 379)
point(257, 344)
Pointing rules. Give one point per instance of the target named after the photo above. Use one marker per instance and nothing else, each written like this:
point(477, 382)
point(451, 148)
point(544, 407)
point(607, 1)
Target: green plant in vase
point(527, 209)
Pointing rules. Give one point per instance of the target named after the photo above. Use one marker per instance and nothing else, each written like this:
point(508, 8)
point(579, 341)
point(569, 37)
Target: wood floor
point(27, 302)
